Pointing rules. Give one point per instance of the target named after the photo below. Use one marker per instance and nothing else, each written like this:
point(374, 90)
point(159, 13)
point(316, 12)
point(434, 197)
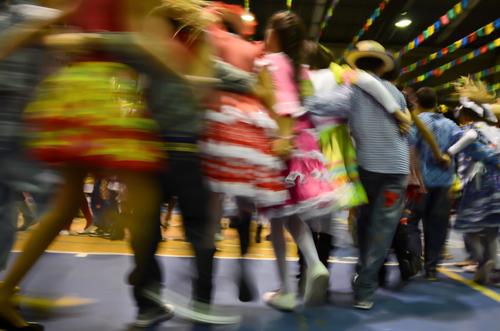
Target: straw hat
point(370, 48)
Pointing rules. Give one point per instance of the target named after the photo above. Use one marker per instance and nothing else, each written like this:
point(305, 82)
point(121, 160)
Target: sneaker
point(87, 230)
point(97, 233)
point(277, 300)
point(470, 268)
point(494, 278)
point(204, 313)
point(468, 261)
point(363, 304)
point(154, 315)
point(483, 272)
point(431, 275)
point(316, 285)
point(64, 233)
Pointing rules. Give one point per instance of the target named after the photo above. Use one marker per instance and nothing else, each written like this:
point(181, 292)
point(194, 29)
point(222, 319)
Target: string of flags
point(443, 20)
point(477, 75)
point(367, 25)
point(490, 88)
point(439, 71)
point(327, 17)
point(288, 5)
point(484, 31)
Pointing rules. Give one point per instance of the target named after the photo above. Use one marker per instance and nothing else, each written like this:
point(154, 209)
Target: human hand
point(404, 127)
point(445, 161)
point(283, 147)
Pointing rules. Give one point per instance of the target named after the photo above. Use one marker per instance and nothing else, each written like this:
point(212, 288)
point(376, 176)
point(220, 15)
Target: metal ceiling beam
point(450, 28)
point(317, 16)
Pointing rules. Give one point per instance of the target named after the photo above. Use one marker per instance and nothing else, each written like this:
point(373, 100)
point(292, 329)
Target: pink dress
point(310, 191)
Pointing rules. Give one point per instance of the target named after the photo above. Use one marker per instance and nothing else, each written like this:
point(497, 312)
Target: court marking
point(481, 289)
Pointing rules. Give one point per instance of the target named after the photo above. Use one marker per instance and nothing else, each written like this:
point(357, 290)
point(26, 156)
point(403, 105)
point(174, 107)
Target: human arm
point(429, 139)
point(468, 138)
point(37, 18)
point(333, 104)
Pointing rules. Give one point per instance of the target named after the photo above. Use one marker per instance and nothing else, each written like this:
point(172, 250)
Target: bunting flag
point(488, 29)
point(327, 17)
point(365, 28)
point(288, 5)
point(477, 75)
point(247, 5)
point(439, 71)
point(451, 97)
point(443, 20)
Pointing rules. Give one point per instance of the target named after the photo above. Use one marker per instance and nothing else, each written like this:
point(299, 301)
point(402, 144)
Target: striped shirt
point(380, 147)
point(446, 133)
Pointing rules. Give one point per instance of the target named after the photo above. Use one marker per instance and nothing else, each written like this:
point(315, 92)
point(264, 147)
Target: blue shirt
point(380, 147)
point(446, 133)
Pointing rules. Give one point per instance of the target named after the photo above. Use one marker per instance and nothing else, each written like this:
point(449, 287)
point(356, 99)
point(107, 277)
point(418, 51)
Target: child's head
point(426, 99)
point(286, 33)
point(317, 56)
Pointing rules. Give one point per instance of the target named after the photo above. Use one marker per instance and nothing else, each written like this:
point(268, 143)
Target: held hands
point(445, 161)
point(283, 147)
point(404, 120)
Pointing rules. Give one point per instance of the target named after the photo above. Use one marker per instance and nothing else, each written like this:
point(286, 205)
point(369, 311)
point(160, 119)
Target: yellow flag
point(431, 30)
point(479, 74)
point(470, 55)
point(369, 22)
point(497, 42)
point(458, 8)
point(433, 56)
point(412, 45)
point(458, 44)
point(489, 29)
point(447, 66)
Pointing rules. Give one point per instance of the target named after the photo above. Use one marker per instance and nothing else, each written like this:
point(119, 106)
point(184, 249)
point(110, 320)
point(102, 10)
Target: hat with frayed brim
point(370, 48)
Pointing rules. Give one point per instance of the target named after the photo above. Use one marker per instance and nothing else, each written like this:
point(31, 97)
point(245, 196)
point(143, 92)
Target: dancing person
point(100, 139)
point(383, 160)
point(479, 211)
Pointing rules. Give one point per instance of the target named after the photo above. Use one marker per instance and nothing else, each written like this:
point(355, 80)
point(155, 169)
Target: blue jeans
point(377, 225)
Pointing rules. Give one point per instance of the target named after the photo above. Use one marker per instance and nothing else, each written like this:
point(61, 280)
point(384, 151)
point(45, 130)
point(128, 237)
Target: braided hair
point(291, 33)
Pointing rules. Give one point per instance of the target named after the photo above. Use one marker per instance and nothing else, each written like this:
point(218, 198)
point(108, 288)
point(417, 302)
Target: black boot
point(324, 247)
point(258, 233)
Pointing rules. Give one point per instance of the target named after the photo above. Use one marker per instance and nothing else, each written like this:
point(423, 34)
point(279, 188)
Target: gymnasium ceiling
point(350, 16)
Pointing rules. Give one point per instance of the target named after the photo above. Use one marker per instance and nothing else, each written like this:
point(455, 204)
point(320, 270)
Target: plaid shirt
point(380, 147)
point(446, 133)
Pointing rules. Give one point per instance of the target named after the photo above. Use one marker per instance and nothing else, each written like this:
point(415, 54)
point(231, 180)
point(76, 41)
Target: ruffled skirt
point(89, 113)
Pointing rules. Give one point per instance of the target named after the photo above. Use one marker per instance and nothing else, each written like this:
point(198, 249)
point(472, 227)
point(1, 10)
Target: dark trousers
point(377, 223)
point(183, 180)
point(435, 209)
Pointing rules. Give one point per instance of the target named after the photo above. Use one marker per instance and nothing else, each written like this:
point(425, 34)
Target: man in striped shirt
point(383, 160)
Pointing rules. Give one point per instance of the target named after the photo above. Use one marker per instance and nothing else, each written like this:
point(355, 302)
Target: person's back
point(445, 132)
point(380, 146)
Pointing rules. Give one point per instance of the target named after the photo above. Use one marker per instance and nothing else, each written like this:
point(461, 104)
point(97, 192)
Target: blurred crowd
point(115, 108)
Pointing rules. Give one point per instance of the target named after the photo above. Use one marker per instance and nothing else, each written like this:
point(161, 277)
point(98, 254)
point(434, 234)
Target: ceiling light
point(403, 23)
point(247, 17)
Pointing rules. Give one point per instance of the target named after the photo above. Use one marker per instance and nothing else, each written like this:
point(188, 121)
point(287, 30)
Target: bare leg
point(63, 210)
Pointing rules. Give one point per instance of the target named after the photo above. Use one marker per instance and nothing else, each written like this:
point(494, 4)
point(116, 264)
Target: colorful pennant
point(288, 5)
point(439, 71)
point(477, 75)
point(443, 20)
point(365, 28)
point(489, 28)
point(327, 17)
point(450, 97)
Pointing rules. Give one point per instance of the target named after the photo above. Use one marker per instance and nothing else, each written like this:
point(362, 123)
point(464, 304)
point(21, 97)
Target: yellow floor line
point(486, 291)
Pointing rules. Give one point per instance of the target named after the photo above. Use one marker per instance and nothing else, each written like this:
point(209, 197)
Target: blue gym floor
point(449, 304)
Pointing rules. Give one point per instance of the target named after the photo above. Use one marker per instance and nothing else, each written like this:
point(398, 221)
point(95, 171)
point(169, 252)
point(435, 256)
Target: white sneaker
point(87, 230)
point(470, 268)
point(316, 285)
point(154, 316)
point(64, 233)
point(285, 302)
point(205, 314)
point(219, 237)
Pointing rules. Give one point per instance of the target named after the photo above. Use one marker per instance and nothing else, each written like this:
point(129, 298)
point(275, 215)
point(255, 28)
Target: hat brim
point(354, 55)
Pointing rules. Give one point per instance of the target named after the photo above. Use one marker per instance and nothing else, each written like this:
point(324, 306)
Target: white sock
point(279, 244)
point(303, 238)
